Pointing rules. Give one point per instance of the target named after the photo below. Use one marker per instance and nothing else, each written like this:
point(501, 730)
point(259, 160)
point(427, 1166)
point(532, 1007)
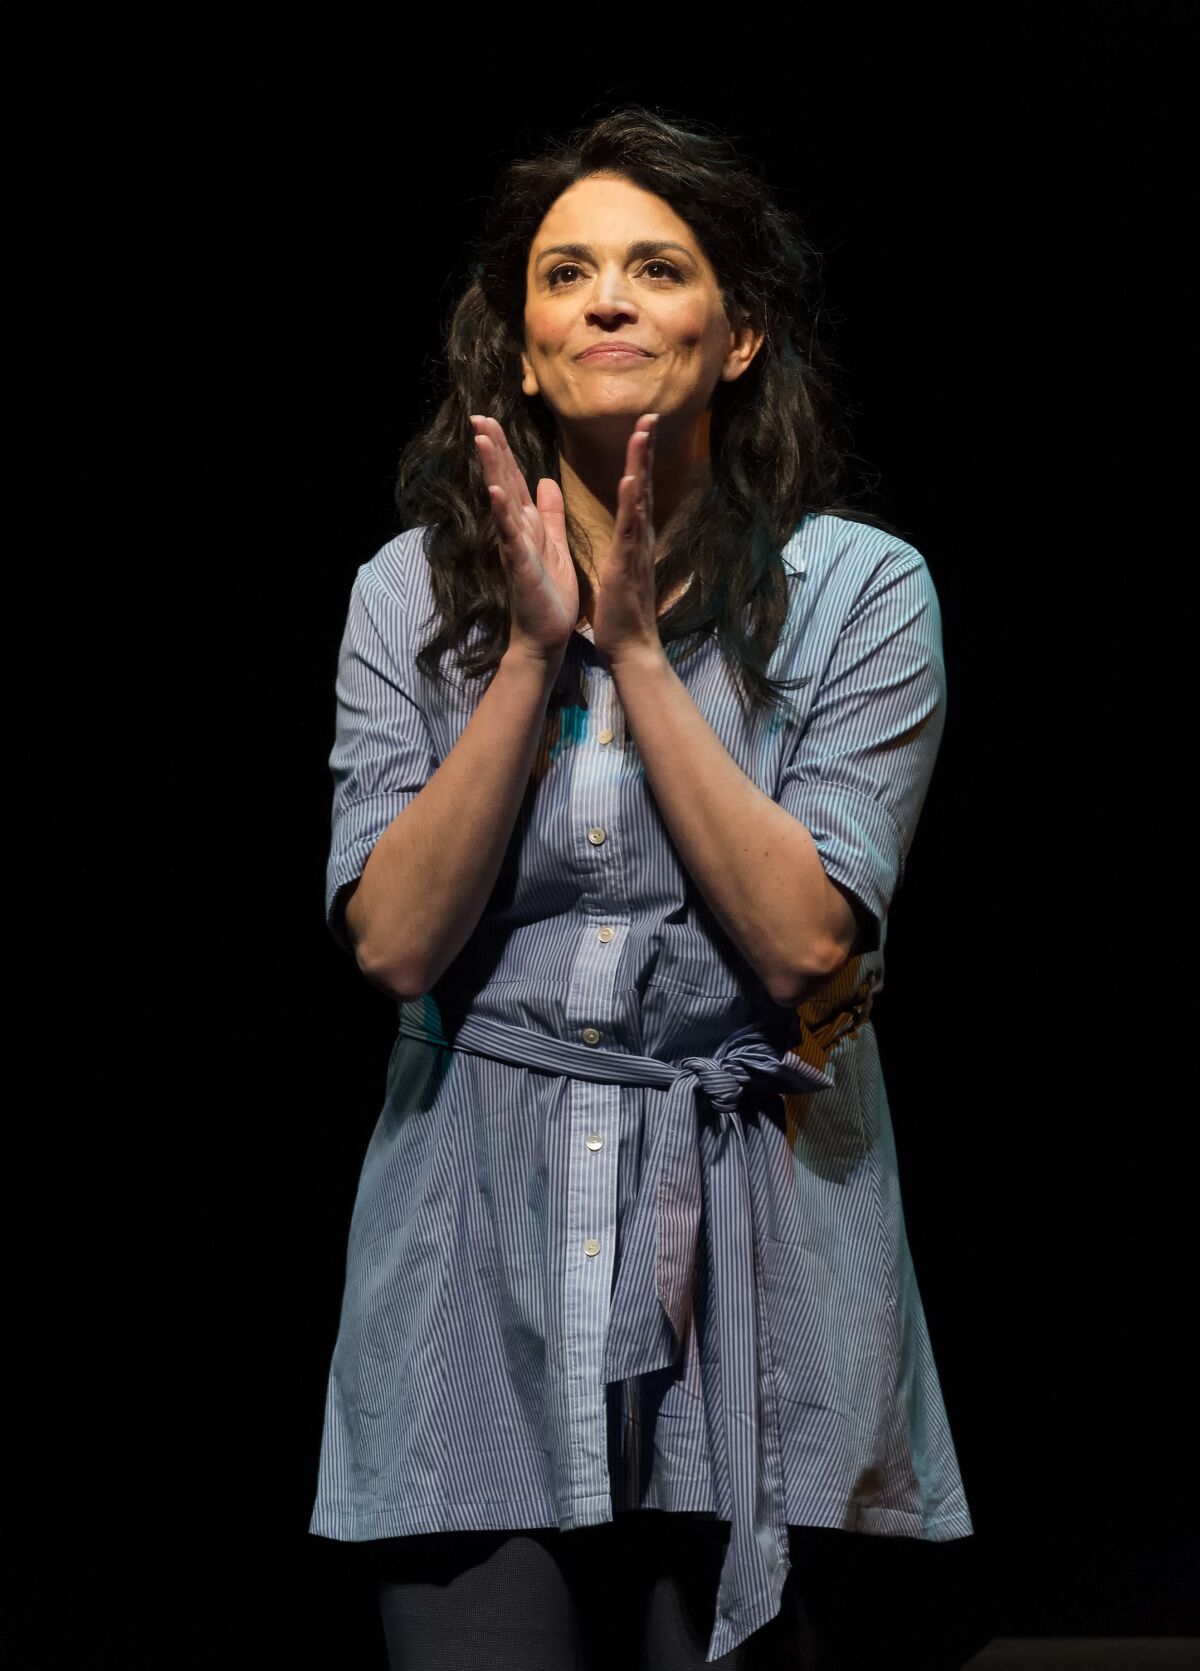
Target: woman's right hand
point(542, 586)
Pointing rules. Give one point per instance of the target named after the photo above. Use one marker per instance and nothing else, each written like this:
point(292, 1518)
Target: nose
point(610, 299)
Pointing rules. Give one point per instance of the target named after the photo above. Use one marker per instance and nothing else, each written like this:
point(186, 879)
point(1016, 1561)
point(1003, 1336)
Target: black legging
point(638, 1593)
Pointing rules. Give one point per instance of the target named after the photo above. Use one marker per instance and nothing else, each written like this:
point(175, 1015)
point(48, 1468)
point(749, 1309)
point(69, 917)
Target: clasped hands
point(543, 587)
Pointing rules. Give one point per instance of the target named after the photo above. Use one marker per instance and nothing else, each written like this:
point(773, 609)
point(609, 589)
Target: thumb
point(549, 498)
point(552, 511)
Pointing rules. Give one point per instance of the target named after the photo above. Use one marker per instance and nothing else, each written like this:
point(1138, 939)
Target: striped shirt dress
point(628, 1233)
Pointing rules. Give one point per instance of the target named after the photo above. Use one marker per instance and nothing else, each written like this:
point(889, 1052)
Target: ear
point(744, 344)
point(529, 382)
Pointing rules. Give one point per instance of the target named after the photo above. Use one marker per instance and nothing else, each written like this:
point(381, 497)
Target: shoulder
point(398, 573)
point(853, 556)
point(390, 594)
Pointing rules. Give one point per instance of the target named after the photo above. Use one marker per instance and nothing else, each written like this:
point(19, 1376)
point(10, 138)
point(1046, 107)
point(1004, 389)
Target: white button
point(606, 934)
point(604, 736)
point(595, 1141)
point(590, 1036)
point(595, 835)
point(591, 1246)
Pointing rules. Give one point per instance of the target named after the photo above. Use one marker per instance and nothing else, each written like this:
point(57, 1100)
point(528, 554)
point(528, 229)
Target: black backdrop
point(239, 234)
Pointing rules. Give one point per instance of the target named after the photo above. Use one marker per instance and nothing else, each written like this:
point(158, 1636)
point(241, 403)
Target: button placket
point(590, 1223)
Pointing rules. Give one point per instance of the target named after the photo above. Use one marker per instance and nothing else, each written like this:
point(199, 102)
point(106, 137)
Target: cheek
point(543, 334)
point(694, 330)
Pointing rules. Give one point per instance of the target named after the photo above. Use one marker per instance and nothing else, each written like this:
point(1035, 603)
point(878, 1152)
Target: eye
point(670, 271)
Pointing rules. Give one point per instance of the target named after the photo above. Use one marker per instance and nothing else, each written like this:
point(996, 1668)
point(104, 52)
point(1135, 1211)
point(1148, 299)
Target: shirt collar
point(794, 562)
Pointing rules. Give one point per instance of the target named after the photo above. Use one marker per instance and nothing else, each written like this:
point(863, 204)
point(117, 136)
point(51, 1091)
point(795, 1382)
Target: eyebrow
point(643, 247)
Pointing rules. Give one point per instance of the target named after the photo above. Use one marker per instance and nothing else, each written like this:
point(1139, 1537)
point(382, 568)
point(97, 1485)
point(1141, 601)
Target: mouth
point(615, 351)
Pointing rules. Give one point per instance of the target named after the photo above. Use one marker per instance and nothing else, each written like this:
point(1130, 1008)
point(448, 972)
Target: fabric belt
point(647, 1328)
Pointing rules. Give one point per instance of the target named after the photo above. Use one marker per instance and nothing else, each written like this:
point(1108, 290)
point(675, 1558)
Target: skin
point(667, 300)
point(634, 436)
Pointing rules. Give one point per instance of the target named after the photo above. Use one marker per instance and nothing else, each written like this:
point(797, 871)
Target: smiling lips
point(616, 351)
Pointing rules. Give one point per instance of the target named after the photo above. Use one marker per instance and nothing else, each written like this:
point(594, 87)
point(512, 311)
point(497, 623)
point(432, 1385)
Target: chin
point(613, 424)
point(613, 403)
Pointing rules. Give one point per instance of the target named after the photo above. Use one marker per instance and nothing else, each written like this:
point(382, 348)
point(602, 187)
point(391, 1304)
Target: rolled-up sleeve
point(383, 754)
point(864, 758)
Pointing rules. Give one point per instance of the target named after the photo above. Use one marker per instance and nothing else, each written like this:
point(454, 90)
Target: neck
point(590, 473)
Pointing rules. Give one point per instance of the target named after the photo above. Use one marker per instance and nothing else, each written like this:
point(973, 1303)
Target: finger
point(640, 474)
point(500, 467)
point(512, 522)
point(633, 450)
point(629, 488)
point(514, 482)
point(513, 543)
point(648, 462)
point(639, 455)
point(489, 460)
point(630, 522)
point(551, 508)
point(492, 460)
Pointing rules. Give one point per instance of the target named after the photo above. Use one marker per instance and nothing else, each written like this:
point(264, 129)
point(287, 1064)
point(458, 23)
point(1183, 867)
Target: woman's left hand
point(625, 616)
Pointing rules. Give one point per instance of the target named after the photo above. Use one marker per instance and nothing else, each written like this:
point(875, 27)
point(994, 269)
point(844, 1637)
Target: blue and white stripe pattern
point(621, 1240)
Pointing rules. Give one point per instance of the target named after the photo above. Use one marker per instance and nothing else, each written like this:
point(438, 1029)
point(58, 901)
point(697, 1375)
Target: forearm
point(428, 877)
point(757, 866)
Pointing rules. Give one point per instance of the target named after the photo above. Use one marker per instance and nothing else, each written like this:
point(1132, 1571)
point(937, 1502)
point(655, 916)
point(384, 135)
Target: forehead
point(602, 210)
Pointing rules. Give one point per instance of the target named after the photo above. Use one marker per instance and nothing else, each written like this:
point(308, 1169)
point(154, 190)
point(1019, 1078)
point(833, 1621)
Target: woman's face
point(614, 266)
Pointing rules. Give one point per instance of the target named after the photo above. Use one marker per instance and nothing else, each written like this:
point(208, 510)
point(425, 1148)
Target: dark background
point(239, 235)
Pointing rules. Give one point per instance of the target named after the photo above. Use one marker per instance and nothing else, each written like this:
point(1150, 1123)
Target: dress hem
point(423, 1518)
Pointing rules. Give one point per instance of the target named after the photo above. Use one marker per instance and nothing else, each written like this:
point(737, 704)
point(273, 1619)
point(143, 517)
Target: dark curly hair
point(777, 445)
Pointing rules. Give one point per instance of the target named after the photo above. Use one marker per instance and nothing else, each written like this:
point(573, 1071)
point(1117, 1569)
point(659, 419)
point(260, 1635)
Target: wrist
point(639, 660)
point(543, 665)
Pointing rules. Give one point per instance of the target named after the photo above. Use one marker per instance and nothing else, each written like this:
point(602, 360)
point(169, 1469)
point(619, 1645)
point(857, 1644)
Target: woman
point(627, 1273)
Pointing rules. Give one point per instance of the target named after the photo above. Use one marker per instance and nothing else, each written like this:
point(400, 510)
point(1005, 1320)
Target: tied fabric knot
point(746, 1052)
point(721, 1085)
